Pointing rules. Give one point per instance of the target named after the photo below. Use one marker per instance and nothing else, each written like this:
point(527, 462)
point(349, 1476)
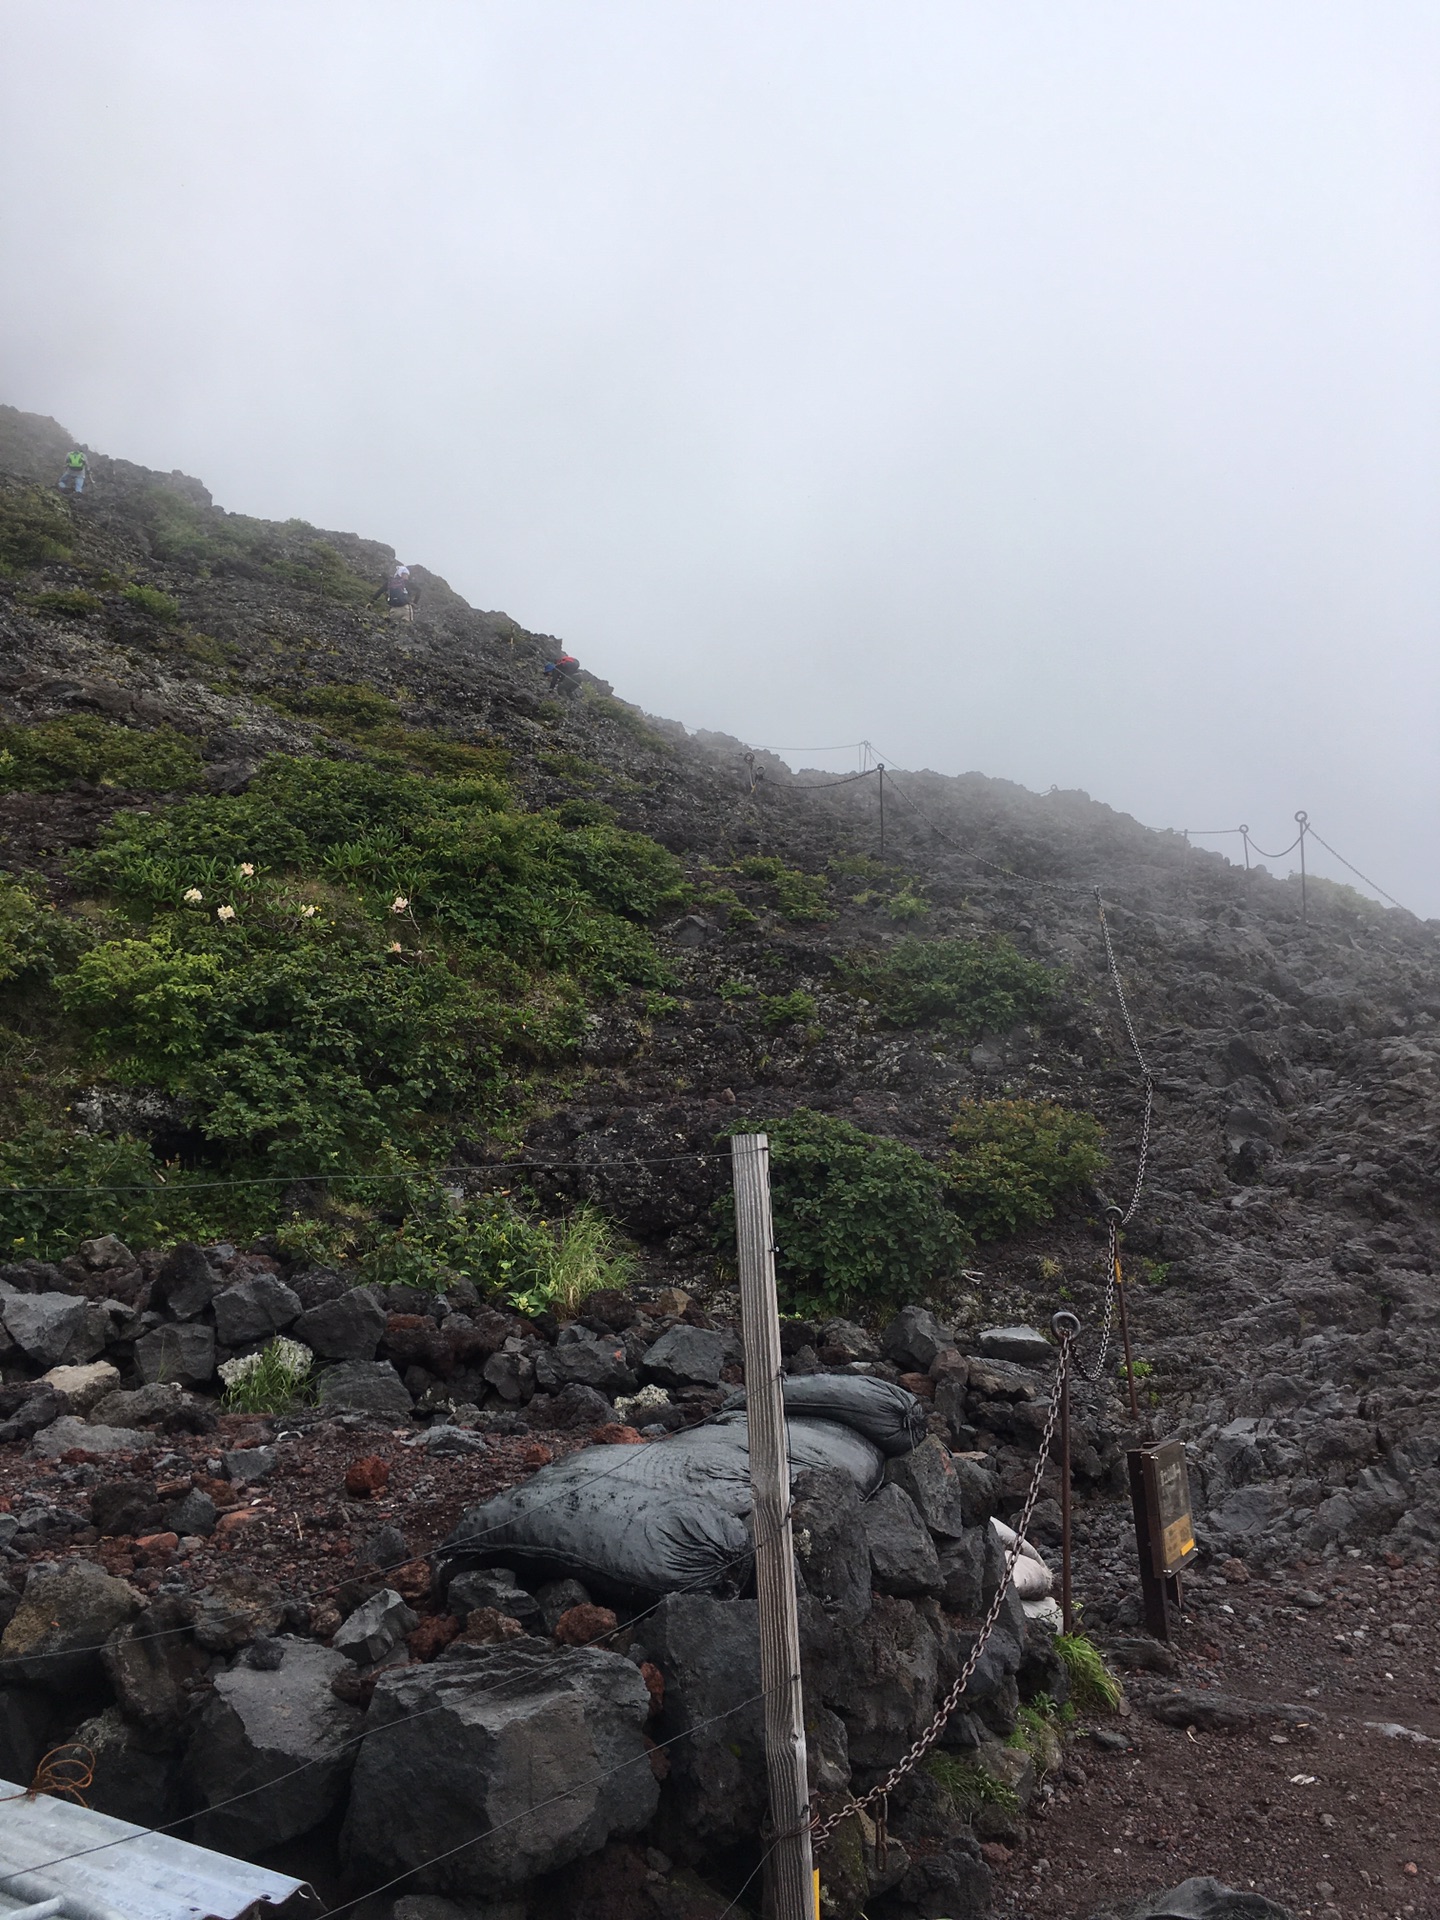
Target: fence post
point(790, 1872)
point(1302, 820)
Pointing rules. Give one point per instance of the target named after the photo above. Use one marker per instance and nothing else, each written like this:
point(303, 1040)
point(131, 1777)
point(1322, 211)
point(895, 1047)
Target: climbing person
point(562, 674)
point(401, 596)
point(74, 471)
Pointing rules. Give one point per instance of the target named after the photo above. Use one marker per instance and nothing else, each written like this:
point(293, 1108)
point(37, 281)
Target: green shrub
point(73, 602)
point(799, 896)
point(784, 1009)
point(963, 986)
point(907, 905)
point(1093, 1688)
point(34, 528)
point(35, 940)
point(151, 600)
point(47, 757)
point(571, 1260)
point(860, 1220)
point(1015, 1160)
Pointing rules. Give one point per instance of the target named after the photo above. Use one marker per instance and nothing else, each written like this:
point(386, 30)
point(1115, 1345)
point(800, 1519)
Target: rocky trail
point(158, 655)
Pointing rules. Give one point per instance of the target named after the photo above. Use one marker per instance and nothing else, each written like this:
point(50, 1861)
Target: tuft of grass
point(969, 1785)
point(573, 1259)
point(1093, 1687)
point(270, 1381)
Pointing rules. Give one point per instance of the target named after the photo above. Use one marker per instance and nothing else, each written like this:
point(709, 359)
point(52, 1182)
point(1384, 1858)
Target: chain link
point(824, 1828)
point(1119, 986)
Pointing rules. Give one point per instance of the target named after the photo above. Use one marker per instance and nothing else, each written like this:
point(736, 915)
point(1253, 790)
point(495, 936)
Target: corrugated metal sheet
point(150, 1876)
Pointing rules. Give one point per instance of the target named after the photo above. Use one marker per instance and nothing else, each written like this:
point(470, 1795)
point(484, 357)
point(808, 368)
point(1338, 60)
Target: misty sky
point(1045, 389)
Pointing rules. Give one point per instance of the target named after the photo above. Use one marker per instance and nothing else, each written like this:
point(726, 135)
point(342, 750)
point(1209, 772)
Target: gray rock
point(232, 1612)
point(903, 1559)
point(709, 1652)
point(70, 1431)
point(386, 1547)
point(55, 1329)
point(257, 1731)
point(846, 1341)
point(181, 1355)
point(458, 1735)
point(686, 1357)
point(577, 1406)
point(1026, 1346)
point(80, 1387)
point(193, 1513)
point(598, 1364)
point(913, 1338)
point(349, 1327)
point(105, 1251)
point(433, 1906)
point(883, 1679)
point(962, 1573)
point(253, 1309)
point(375, 1628)
point(365, 1386)
point(512, 1375)
point(557, 1597)
point(134, 1779)
point(55, 1636)
point(248, 1466)
point(447, 1441)
point(185, 1284)
point(39, 1404)
point(1201, 1899)
point(156, 1670)
point(496, 1587)
point(831, 1549)
point(134, 1407)
point(979, 1490)
point(928, 1475)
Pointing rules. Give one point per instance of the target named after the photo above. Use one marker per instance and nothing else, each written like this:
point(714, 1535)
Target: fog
point(1039, 389)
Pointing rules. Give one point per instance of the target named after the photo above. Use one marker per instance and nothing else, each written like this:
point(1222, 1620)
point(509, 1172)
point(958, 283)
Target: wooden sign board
point(1167, 1496)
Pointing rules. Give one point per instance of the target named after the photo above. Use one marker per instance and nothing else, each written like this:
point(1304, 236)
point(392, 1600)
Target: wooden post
point(790, 1872)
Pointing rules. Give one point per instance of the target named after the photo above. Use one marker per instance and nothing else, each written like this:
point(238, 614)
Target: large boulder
point(69, 1431)
point(903, 1559)
point(364, 1386)
point(238, 1608)
point(26, 1718)
point(135, 1778)
point(55, 1329)
point(348, 1327)
point(882, 1679)
point(54, 1639)
point(185, 1284)
point(686, 1357)
point(80, 1387)
point(1025, 1346)
point(598, 1364)
point(709, 1653)
point(511, 1760)
point(831, 1550)
point(179, 1355)
point(278, 1735)
point(26, 1407)
point(252, 1309)
point(928, 1476)
point(913, 1339)
point(157, 1672)
point(134, 1406)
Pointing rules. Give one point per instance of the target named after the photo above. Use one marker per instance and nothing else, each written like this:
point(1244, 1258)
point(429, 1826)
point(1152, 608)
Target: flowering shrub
point(266, 1382)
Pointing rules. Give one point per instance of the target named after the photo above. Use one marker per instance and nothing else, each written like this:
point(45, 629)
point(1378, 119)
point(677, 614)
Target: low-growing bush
point(963, 986)
point(785, 1009)
point(160, 606)
point(1016, 1160)
point(860, 1220)
point(34, 528)
point(47, 757)
point(799, 896)
point(74, 603)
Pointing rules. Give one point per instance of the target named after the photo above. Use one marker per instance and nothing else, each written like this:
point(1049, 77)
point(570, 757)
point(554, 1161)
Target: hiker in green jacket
point(74, 471)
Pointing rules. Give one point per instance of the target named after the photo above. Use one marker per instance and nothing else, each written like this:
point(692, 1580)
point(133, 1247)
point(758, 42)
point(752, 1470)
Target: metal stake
point(1302, 820)
point(789, 1871)
point(1066, 1326)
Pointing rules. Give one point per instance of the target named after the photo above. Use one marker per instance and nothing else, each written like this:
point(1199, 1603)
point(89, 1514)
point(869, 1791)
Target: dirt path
point(1317, 1808)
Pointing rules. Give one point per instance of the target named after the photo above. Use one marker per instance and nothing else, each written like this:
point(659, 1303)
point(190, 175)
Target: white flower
point(395, 947)
point(247, 870)
point(290, 1354)
point(399, 903)
point(193, 896)
point(224, 913)
point(308, 913)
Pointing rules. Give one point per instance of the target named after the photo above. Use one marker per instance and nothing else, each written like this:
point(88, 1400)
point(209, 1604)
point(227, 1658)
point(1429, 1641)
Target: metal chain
point(1119, 986)
point(1096, 1369)
point(824, 1828)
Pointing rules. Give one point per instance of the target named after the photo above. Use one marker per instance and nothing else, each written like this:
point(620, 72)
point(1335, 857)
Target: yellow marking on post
point(1177, 1540)
point(817, 1893)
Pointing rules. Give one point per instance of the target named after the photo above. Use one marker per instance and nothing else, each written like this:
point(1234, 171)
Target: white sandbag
point(1033, 1579)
